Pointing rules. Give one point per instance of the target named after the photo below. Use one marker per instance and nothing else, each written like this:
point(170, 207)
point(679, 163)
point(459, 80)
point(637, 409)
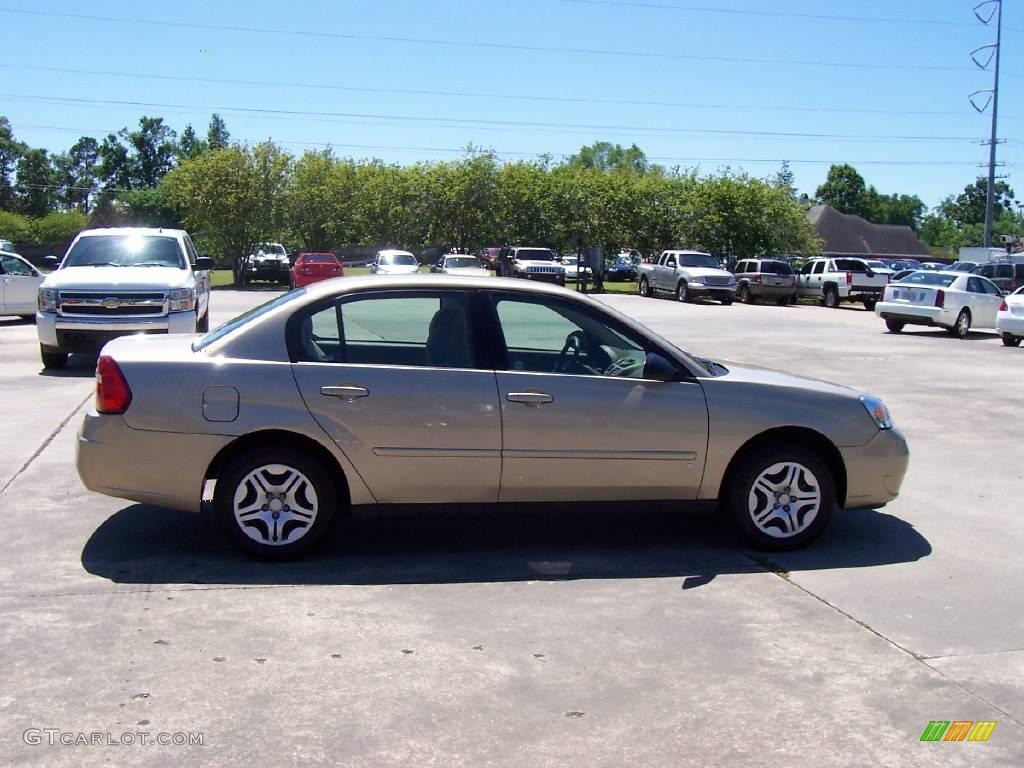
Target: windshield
point(243, 319)
point(125, 251)
point(399, 259)
point(698, 260)
point(271, 249)
point(461, 262)
point(535, 254)
point(928, 278)
point(963, 266)
point(776, 268)
point(877, 264)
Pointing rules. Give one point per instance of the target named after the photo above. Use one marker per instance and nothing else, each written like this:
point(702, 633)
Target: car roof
point(427, 281)
point(125, 231)
point(390, 251)
point(687, 251)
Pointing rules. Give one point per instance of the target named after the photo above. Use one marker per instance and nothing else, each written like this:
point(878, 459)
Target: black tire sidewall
point(740, 481)
point(240, 466)
point(681, 292)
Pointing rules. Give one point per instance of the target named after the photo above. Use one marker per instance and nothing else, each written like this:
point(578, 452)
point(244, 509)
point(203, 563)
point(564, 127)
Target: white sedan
point(1010, 320)
point(956, 301)
point(19, 286)
point(460, 264)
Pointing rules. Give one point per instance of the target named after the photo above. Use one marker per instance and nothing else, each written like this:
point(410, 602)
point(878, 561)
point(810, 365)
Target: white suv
point(122, 281)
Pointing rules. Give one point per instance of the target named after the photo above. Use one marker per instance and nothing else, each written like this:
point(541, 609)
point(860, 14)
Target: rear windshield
point(697, 260)
point(776, 268)
point(403, 259)
point(125, 251)
point(246, 317)
point(319, 258)
point(928, 278)
point(461, 262)
point(535, 254)
point(851, 265)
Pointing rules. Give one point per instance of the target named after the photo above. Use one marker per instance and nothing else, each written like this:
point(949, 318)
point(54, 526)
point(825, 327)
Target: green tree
point(10, 151)
point(969, 206)
point(386, 206)
point(190, 145)
point(844, 190)
point(605, 156)
point(139, 158)
point(57, 229)
point(907, 210)
point(76, 174)
point(217, 136)
point(15, 227)
point(459, 199)
point(35, 186)
point(320, 200)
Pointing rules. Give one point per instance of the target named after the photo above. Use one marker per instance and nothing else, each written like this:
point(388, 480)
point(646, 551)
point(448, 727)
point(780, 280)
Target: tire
point(682, 292)
point(745, 295)
point(53, 360)
point(869, 304)
point(758, 486)
point(31, 319)
point(260, 473)
point(726, 301)
point(962, 326)
point(783, 301)
point(830, 298)
point(895, 326)
point(203, 325)
point(645, 288)
point(1009, 340)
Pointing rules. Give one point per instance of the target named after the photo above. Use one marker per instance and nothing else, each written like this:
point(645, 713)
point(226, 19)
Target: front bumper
point(162, 468)
point(702, 289)
point(875, 470)
point(1007, 322)
point(89, 334)
point(558, 278)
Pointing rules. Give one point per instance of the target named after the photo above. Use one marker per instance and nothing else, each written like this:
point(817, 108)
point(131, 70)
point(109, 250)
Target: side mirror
point(660, 368)
point(203, 264)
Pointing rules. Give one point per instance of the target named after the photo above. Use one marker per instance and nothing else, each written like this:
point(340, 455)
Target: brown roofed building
point(845, 234)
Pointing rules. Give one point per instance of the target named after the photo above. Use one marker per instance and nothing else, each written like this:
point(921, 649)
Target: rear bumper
point(162, 468)
point(875, 470)
point(777, 291)
point(1007, 322)
point(914, 315)
point(85, 334)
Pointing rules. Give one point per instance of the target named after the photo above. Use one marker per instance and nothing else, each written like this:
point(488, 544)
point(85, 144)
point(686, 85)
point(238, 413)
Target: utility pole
point(997, 14)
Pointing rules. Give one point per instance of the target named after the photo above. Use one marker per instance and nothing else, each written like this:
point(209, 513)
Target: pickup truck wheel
point(782, 301)
point(869, 304)
point(645, 288)
point(726, 300)
point(830, 298)
point(962, 326)
point(682, 291)
point(1009, 340)
point(781, 497)
point(53, 361)
point(274, 503)
point(746, 296)
point(894, 326)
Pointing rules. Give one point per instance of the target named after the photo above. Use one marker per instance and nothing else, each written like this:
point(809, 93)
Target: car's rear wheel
point(274, 503)
point(645, 288)
point(783, 301)
point(869, 304)
point(830, 298)
point(1009, 340)
point(726, 300)
point(53, 360)
point(962, 326)
point(781, 497)
point(682, 291)
point(895, 326)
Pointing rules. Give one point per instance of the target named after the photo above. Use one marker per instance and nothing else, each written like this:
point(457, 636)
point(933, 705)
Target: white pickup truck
point(122, 281)
point(687, 275)
point(834, 281)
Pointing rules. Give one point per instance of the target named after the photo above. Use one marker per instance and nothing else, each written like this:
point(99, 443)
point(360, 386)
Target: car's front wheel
point(645, 288)
point(781, 497)
point(869, 304)
point(53, 359)
point(274, 503)
point(682, 291)
point(894, 326)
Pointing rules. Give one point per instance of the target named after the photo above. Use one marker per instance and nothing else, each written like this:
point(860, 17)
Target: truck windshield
point(125, 251)
point(535, 254)
point(399, 259)
point(697, 260)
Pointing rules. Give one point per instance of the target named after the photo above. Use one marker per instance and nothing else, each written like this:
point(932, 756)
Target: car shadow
point(143, 544)
point(8, 321)
point(81, 365)
point(924, 332)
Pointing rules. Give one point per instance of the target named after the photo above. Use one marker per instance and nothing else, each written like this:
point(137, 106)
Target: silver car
point(448, 390)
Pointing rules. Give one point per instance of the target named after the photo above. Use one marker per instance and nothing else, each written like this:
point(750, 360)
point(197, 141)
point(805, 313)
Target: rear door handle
point(529, 398)
point(348, 392)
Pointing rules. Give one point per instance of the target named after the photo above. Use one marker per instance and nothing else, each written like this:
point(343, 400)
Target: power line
point(657, 158)
point(476, 122)
point(482, 95)
point(489, 45)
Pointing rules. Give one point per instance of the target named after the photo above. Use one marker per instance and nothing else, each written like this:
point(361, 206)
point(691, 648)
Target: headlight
point(183, 299)
point(47, 299)
point(877, 410)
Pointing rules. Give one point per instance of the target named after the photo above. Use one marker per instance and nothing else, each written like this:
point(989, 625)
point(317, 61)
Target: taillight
point(1004, 307)
point(940, 298)
point(112, 392)
point(849, 278)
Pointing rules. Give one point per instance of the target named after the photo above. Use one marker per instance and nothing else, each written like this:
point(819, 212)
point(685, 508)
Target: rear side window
point(776, 268)
point(421, 330)
point(851, 265)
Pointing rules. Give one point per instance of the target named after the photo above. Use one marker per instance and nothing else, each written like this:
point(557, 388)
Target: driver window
point(557, 337)
point(670, 261)
point(819, 267)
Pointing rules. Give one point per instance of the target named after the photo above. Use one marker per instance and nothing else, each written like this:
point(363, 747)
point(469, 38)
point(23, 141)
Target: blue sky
point(692, 82)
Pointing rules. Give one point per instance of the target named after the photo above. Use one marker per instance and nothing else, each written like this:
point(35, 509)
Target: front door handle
point(347, 392)
point(529, 398)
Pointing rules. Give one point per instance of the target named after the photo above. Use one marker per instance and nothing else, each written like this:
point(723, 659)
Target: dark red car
point(313, 267)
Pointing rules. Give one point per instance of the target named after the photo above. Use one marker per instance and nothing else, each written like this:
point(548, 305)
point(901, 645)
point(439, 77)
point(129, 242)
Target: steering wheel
point(574, 341)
